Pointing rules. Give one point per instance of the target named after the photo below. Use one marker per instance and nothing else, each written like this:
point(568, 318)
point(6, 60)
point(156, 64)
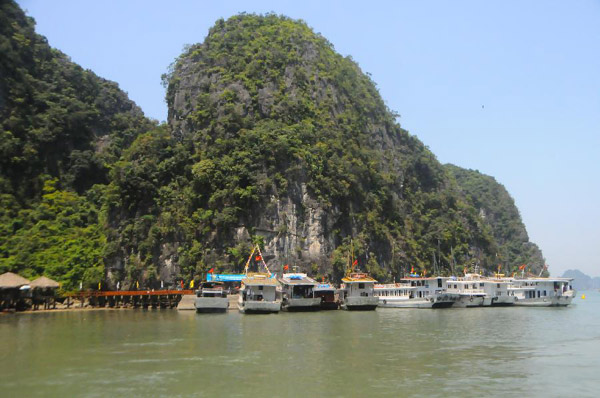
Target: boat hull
point(211, 304)
point(487, 301)
point(505, 301)
point(301, 304)
point(468, 302)
point(561, 301)
point(329, 305)
point(360, 303)
point(259, 307)
point(412, 303)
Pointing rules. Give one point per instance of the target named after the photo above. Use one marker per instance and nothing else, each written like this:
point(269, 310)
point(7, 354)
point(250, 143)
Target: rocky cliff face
point(294, 146)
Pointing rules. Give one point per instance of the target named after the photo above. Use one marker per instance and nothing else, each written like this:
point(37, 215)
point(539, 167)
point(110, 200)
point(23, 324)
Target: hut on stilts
point(11, 297)
point(44, 292)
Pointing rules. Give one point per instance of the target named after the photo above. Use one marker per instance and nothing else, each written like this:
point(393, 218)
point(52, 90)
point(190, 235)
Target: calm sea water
point(389, 352)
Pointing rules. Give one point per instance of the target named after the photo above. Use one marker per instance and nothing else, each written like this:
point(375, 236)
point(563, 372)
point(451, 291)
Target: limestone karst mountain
point(272, 138)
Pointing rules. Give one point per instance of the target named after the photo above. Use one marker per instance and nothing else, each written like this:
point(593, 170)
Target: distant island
point(582, 281)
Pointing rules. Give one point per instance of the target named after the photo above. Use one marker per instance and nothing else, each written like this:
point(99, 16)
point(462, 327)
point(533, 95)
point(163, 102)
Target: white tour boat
point(298, 291)
point(357, 292)
point(211, 297)
point(470, 291)
point(497, 292)
point(259, 292)
point(417, 292)
point(542, 292)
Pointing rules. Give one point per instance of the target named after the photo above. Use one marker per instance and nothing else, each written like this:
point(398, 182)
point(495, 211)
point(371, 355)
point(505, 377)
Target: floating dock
point(128, 298)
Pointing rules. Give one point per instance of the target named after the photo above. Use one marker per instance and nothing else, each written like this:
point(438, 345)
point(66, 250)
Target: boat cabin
point(326, 293)
point(358, 292)
point(259, 288)
point(211, 289)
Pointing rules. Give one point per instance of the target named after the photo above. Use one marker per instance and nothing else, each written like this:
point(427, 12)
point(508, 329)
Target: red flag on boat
point(182, 283)
point(211, 271)
point(286, 267)
point(258, 258)
point(355, 262)
point(522, 267)
point(412, 270)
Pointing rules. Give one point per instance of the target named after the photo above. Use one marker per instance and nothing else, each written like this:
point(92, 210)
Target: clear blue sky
point(534, 66)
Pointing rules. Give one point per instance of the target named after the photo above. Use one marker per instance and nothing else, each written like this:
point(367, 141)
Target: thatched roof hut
point(9, 280)
point(44, 283)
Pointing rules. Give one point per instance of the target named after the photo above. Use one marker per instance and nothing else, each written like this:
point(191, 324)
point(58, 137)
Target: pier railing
point(127, 298)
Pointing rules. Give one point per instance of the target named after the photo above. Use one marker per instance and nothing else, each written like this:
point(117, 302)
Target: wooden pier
point(127, 298)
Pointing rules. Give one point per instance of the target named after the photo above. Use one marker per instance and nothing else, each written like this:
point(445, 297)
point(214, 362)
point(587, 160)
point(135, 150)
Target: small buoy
point(583, 296)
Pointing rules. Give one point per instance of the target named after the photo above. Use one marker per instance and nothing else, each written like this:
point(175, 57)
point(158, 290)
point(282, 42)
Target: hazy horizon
point(511, 89)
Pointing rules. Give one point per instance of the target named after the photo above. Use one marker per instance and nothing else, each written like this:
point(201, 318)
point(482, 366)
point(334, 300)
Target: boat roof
point(258, 279)
point(358, 277)
point(297, 278)
point(395, 286)
point(422, 278)
point(211, 285)
point(540, 279)
point(324, 287)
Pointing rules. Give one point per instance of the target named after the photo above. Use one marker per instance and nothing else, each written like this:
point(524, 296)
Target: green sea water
point(473, 352)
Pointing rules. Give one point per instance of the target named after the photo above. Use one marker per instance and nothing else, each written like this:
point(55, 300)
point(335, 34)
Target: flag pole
point(263, 260)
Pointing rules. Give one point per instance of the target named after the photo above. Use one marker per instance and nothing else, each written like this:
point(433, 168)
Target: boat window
point(361, 285)
point(498, 286)
point(260, 287)
point(481, 284)
point(538, 293)
point(544, 292)
point(439, 282)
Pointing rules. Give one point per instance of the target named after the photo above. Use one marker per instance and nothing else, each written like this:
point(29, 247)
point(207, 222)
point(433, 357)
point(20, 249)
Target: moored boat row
point(263, 292)
point(474, 290)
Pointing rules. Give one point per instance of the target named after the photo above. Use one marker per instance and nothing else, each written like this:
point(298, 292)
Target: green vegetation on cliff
point(61, 128)
point(497, 208)
point(268, 114)
point(273, 138)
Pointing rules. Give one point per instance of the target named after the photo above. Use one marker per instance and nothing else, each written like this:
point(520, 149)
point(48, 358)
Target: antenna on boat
point(353, 262)
point(453, 261)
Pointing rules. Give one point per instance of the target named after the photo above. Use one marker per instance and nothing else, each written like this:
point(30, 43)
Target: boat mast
point(248, 262)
